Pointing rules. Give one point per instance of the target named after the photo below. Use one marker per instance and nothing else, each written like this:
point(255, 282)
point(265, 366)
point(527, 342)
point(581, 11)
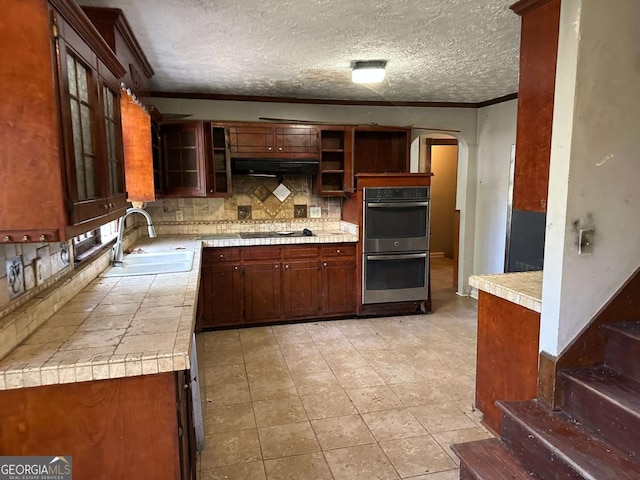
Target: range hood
point(274, 166)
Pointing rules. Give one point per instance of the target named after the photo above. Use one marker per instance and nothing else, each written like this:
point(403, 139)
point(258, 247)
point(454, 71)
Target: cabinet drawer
point(302, 251)
point(215, 255)
point(261, 253)
point(339, 250)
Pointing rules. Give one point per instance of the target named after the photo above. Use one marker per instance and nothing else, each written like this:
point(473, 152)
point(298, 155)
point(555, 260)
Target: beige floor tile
point(334, 345)
point(373, 399)
point(393, 424)
point(364, 462)
point(442, 417)
point(414, 394)
point(316, 383)
point(446, 439)
point(342, 360)
point(417, 456)
point(299, 467)
point(224, 374)
point(279, 411)
point(286, 440)
point(306, 364)
point(358, 378)
point(241, 471)
point(459, 389)
point(340, 432)
point(221, 340)
point(229, 418)
point(261, 370)
point(445, 475)
point(327, 405)
point(393, 374)
point(229, 448)
point(306, 349)
point(228, 394)
point(272, 388)
point(223, 357)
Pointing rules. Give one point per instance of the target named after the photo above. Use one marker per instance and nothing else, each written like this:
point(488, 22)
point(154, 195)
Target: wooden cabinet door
point(296, 140)
point(301, 288)
point(263, 291)
point(183, 162)
point(251, 140)
point(223, 295)
point(186, 432)
point(339, 286)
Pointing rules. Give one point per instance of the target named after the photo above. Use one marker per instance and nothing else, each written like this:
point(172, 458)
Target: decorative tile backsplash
point(253, 199)
point(32, 265)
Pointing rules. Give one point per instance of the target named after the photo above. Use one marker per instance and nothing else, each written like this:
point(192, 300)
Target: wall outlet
point(39, 270)
point(179, 217)
point(315, 212)
point(585, 241)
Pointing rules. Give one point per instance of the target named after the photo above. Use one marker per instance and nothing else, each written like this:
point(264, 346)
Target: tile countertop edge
point(521, 288)
point(113, 366)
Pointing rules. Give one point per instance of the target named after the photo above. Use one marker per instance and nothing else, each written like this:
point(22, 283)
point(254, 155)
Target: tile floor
point(349, 399)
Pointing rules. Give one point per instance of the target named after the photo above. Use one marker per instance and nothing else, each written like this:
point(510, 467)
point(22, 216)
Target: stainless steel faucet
point(117, 248)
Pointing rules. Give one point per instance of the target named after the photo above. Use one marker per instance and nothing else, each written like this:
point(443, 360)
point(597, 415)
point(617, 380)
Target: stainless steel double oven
point(395, 251)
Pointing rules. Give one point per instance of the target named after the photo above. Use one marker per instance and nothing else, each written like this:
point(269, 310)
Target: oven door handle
point(396, 204)
point(407, 256)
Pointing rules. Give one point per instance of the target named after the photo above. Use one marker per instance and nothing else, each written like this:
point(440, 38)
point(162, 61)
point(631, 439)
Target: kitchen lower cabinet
point(301, 288)
point(254, 285)
point(339, 286)
point(132, 427)
point(262, 292)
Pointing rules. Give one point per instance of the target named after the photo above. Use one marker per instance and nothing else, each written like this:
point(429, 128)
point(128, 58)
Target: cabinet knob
point(111, 205)
point(235, 268)
point(338, 250)
point(105, 206)
point(6, 238)
point(25, 238)
point(43, 238)
point(211, 191)
point(277, 265)
point(269, 149)
point(286, 267)
point(279, 149)
point(222, 255)
point(324, 264)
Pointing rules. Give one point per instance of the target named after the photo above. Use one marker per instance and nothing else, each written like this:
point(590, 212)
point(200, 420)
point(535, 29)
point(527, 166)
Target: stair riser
point(533, 453)
point(622, 354)
point(465, 473)
point(617, 425)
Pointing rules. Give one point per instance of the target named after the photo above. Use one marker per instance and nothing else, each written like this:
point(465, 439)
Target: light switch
point(585, 241)
point(315, 212)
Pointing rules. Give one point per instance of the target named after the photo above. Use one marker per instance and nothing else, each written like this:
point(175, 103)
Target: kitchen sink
point(152, 264)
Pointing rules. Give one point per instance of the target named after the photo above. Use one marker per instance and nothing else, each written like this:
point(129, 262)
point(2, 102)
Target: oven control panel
point(396, 193)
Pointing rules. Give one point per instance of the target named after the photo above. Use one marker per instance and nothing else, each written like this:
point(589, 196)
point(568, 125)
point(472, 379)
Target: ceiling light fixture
point(368, 71)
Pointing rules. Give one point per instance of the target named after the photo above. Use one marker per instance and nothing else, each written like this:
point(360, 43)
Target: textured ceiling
point(437, 50)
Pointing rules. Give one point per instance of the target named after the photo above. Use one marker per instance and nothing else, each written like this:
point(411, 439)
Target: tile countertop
point(523, 288)
point(126, 326)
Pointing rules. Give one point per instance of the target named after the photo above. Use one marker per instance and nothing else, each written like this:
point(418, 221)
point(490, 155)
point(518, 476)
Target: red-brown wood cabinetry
point(253, 285)
point(273, 141)
point(60, 128)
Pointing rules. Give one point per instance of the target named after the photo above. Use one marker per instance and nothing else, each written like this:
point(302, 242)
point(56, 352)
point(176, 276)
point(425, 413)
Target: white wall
point(462, 120)
point(496, 134)
point(595, 165)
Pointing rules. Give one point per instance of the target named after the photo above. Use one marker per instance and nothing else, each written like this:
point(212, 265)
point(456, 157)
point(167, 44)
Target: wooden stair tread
point(618, 388)
point(590, 456)
point(489, 459)
point(629, 329)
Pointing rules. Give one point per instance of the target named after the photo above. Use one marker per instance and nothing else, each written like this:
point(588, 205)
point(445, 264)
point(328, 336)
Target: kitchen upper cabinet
point(335, 175)
point(60, 129)
point(184, 159)
point(381, 149)
point(218, 161)
point(281, 141)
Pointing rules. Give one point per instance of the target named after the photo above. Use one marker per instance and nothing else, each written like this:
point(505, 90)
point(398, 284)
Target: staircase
point(595, 436)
